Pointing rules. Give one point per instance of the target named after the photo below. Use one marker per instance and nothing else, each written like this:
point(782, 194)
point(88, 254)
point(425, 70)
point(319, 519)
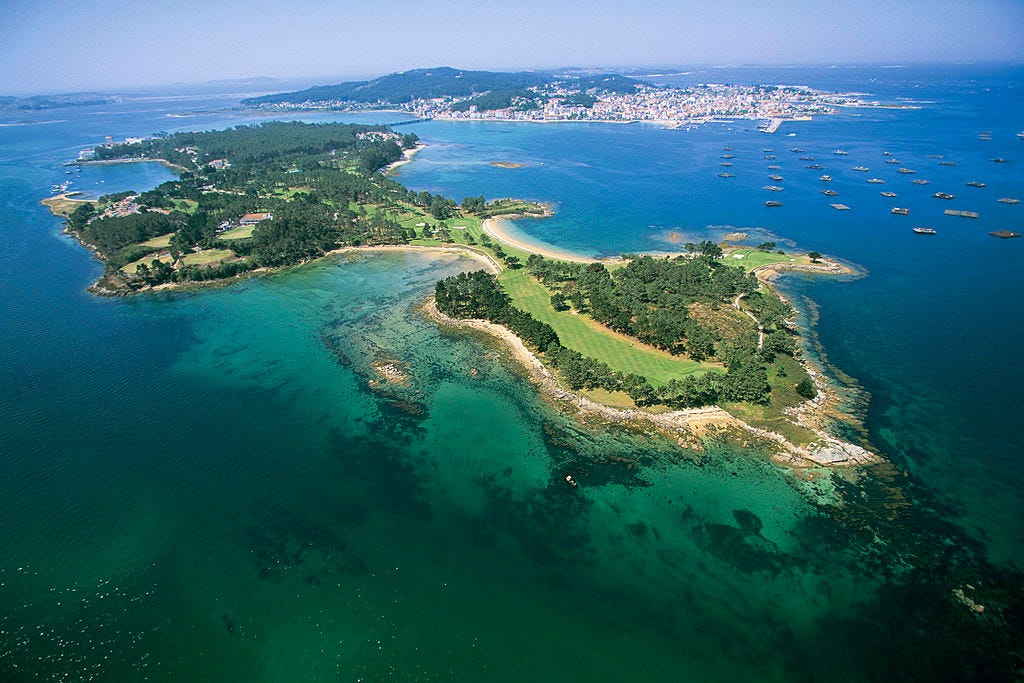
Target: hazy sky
point(64, 45)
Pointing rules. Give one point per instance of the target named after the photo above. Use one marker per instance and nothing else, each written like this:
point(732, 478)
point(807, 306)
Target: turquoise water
point(213, 486)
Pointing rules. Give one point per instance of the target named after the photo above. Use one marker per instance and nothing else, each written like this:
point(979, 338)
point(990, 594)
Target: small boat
point(769, 157)
point(876, 181)
point(726, 175)
point(1004, 234)
point(806, 158)
point(1000, 160)
point(934, 156)
point(726, 163)
point(728, 156)
point(826, 178)
point(905, 171)
point(947, 163)
point(899, 211)
point(840, 152)
point(925, 231)
point(886, 154)
point(796, 150)
point(987, 137)
point(774, 167)
point(1009, 200)
point(943, 195)
point(861, 168)
point(887, 194)
point(767, 151)
point(961, 213)
point(776, 178)
point(815, 167)
point(727, 149)
point(840, 207)
point(774, 188)
point(975, 183)
point(893, 161)
point(830, 193)
point(919, 181)
point(772, 202)
point(570, 481)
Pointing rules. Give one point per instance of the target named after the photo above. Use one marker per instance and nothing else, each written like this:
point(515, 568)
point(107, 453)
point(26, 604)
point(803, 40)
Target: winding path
point(760, 327)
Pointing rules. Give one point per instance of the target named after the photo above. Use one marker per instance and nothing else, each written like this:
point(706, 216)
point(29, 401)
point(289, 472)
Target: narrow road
point(760, 327)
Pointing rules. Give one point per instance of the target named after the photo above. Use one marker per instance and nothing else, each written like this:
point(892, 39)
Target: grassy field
point(203, 258)
point(581, 333)
point(750, 259)
point(239, 233)
point(61, 205)
point(158, 242)
point(130, 268)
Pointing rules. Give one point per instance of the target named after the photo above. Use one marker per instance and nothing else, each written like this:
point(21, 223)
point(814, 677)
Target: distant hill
point(399, 88)
point(40, 102)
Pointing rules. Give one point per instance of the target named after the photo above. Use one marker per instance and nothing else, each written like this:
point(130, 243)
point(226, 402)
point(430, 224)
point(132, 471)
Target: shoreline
point(686, 426)
point(109, 162)
point(407, 156)
point(493, 228)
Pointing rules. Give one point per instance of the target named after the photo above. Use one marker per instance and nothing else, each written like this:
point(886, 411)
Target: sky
point(68, 46)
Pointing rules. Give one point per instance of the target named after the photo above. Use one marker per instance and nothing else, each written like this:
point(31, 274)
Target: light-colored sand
point(407, 156)
point(496, 228)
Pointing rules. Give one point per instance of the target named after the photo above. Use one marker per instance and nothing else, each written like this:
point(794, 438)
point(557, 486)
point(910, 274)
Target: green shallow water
point(287, 521)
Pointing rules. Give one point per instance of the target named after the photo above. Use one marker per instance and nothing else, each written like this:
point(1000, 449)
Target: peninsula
point(453, 94)
point(678, 342)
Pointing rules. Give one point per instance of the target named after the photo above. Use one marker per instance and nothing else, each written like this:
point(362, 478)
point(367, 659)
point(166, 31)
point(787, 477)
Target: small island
point(684, 343)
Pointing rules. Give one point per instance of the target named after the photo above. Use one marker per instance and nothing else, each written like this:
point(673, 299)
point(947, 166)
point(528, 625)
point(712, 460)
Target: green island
point(685, 342)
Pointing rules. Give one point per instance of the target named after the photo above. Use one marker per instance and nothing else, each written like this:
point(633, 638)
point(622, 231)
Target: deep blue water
point(206, 486)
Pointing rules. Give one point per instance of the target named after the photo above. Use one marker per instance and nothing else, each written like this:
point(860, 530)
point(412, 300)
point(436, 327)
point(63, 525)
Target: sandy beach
point(407, 156)
point(496, 228)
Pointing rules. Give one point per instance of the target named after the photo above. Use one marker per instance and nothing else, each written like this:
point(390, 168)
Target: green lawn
point(203, 258)
point(239, 233)
point(158, 242)
point(754, 258)
point(580, 333)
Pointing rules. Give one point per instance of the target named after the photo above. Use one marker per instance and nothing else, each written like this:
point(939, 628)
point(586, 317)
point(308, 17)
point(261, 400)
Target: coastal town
point(608, 98)
point(669, 106)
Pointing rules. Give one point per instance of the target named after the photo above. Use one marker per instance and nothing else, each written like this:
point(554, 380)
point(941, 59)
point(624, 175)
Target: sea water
point(220, 485)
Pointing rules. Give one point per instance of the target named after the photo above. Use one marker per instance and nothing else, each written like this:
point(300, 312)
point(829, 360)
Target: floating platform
point(772, 202)
point(830, 193)
point(1004, 234)
point(919, 181)
point(899, 211)
point(1009, 200)
point(840, 207)
point(887, 194)
point(975, 183)
point(961, 214)
point(947, 163)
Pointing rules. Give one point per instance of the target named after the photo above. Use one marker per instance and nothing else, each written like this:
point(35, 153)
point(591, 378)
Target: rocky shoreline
point(687, 427)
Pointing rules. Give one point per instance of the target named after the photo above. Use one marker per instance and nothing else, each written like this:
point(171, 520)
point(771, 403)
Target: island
point(690, 343)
